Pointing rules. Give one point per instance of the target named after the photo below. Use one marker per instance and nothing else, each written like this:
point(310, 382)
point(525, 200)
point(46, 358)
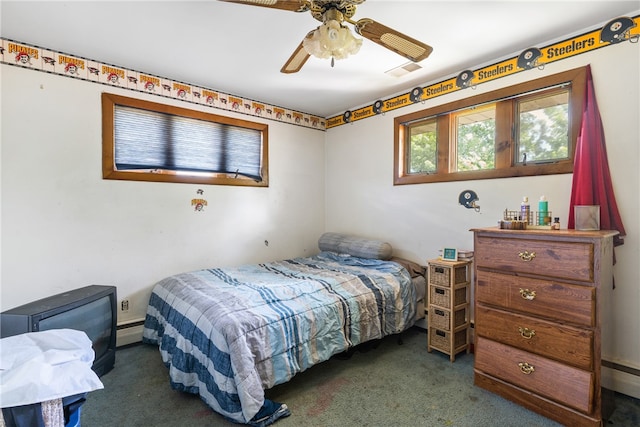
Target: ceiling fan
point(333, 39)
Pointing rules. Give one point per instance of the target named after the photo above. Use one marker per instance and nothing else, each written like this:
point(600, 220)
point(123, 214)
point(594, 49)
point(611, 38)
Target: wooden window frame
point(517, 129)
point(423, 122)
point(505, 165)
point(109, 170)
point(453, 137)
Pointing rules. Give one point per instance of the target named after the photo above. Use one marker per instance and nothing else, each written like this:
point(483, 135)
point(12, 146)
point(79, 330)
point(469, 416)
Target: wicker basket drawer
point(441, 275)
point(565, 260)
point(441, 340)
point(564, 384)
point(441, 319)
point(550, 339)
point(442, 296)
point(539, 297)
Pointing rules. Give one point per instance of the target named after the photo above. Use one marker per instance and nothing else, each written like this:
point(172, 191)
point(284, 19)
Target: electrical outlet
point(124, 305)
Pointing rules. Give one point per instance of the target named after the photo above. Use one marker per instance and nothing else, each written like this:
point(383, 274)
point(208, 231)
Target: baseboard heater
point(621, 378)
point(129, 332)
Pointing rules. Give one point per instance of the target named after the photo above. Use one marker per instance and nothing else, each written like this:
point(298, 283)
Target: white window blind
point(152, 140)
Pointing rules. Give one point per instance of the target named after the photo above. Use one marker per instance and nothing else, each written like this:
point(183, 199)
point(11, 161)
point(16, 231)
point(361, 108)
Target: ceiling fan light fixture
point(331, 40)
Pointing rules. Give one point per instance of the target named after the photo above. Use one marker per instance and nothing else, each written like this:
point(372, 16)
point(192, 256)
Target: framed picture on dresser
point(449, 254)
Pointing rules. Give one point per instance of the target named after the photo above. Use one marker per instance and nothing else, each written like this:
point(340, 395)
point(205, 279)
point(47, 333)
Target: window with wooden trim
point(523, 130)
point(542, 127)
point(147, 141)
point(422, 138)
point(473, 138)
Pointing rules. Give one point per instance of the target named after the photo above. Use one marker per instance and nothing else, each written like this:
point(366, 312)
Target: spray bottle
point(525, 210)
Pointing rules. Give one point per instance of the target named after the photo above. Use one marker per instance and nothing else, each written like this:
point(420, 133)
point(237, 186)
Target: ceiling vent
point(404, 69)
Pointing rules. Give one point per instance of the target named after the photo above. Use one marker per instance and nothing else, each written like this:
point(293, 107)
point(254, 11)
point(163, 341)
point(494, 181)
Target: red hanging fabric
point(591, 176)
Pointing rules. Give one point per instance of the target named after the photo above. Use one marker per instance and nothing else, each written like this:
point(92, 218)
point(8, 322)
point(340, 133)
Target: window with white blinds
point(156, 142)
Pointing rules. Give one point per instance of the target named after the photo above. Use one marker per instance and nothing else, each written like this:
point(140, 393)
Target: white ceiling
point(239, 49)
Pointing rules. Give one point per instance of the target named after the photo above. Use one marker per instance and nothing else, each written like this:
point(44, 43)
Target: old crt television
point(91, 309)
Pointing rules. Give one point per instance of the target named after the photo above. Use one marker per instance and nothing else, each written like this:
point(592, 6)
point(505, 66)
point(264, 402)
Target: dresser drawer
point(563, 343)
point(538, 297)
point(570, 386)
point(565, 260)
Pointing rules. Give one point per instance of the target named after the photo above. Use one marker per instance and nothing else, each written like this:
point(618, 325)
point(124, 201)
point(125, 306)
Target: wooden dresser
point(537, 319)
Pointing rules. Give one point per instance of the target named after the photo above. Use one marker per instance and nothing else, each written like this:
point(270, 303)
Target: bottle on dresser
point(525, 210)
point(543, 211)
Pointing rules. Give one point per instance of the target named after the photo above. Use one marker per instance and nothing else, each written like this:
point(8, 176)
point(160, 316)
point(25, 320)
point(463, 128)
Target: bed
point(228, 334)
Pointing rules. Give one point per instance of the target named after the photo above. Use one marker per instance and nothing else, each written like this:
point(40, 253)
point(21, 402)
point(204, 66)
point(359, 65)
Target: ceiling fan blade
point(296, 60)
point(393, 40)
point(292, 5)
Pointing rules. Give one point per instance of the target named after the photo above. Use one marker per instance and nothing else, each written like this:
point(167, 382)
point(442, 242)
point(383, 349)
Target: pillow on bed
point(414, 269)
point(354, 246)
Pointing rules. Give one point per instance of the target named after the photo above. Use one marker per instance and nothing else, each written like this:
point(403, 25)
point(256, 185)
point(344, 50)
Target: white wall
point(64, 227)
point(420, 219)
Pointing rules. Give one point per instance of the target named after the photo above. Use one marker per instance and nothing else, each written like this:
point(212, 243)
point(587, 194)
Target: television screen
point(91, 309)
point(95, 318)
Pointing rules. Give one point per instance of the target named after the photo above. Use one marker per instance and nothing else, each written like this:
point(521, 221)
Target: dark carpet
point(386, 384)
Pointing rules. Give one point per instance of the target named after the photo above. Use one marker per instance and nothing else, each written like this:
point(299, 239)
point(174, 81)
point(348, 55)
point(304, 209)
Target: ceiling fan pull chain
point(333, 60)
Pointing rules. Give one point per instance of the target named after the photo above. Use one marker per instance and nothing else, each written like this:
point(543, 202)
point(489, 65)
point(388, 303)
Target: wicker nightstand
point(448, 284)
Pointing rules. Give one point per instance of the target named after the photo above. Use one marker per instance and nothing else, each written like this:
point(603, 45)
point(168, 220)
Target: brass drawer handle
point(526, 333)
point(527, 256)
point(526, 368)
point(527, 294)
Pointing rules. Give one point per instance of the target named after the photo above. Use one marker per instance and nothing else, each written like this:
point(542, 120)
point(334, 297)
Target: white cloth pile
point(45, 366)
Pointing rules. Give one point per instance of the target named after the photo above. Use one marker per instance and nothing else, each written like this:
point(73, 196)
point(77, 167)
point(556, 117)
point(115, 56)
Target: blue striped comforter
point(228, 334)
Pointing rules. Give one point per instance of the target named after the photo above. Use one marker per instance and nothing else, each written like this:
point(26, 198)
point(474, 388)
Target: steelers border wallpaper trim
point(615, 31)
